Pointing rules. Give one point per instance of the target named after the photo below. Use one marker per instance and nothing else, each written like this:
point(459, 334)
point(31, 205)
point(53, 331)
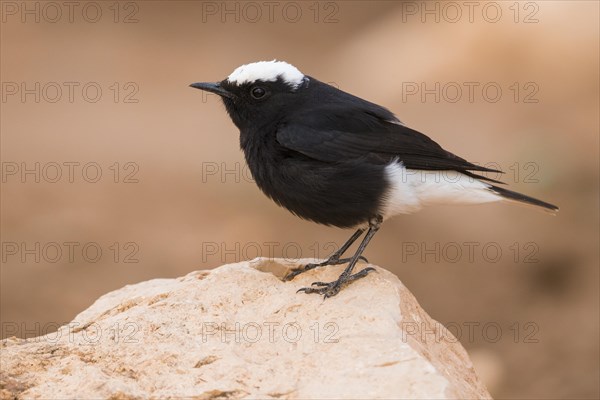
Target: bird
point(336, 159)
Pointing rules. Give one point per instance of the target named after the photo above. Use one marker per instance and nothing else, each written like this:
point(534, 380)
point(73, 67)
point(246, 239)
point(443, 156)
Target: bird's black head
point(259, 93)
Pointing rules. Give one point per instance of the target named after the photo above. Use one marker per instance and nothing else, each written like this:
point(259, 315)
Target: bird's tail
point(521, 198)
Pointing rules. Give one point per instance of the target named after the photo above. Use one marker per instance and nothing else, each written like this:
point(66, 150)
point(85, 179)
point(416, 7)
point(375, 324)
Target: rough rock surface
point(238, 331)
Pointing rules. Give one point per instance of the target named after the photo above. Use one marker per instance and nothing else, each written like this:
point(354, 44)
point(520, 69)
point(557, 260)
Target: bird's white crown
point(267, 71)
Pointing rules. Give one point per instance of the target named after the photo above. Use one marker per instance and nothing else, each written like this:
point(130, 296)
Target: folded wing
point(337, 134)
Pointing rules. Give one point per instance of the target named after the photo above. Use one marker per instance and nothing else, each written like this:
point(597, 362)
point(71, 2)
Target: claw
point(308, 290)
point(364, 272)
point(330, 289)
point(332, 261)
point(294, 273)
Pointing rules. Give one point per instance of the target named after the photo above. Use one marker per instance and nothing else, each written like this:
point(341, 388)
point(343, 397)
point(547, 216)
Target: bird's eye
point(257, 92)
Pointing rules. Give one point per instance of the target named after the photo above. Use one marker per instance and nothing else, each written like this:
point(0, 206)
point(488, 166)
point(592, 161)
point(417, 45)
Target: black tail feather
point(482, 178)
point(510, 195)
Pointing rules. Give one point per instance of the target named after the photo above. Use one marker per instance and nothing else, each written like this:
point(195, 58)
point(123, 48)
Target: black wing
point(336, 133)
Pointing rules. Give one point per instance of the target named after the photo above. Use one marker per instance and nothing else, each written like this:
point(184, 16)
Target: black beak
point(213, 88)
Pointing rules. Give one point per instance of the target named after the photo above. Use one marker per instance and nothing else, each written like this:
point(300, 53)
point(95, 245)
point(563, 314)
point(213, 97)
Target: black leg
point(334, 259)
point(330, 289)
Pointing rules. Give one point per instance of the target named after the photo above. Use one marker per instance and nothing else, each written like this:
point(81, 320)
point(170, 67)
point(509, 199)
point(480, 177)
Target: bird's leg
point(334, 259)
point(330, 289)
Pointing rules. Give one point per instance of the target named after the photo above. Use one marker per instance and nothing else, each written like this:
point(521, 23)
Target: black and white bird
point(336, 159)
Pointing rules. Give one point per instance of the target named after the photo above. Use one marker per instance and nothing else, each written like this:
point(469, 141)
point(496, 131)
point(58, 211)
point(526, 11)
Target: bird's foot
point(330, 289)
point(330, 261)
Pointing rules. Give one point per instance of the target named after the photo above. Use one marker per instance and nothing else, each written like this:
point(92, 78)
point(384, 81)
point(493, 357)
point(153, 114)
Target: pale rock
point(239, 331)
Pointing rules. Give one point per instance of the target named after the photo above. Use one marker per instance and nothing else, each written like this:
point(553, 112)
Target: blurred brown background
point(519, 288)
